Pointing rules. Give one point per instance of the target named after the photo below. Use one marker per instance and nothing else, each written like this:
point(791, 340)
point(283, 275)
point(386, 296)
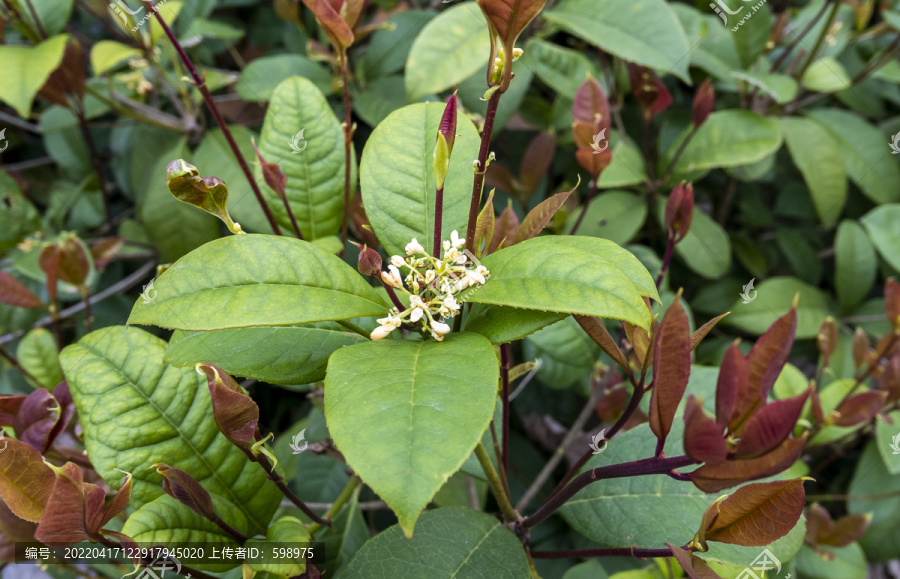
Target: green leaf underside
point(137, 411)
point(397, 179)
point(422, 407)
point(278, 355)
point(501, 324)
point(575, 275)
point(449, 542)
point(315, 186)
point(256, 280)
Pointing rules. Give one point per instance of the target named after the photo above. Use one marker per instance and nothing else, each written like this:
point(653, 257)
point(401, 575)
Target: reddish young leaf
point(334, 26)
point(703, 330)
point(484, 226)
point(816, 405)
point(671, 368)
point(508, 18)
point(500, 177)
point(538, 218)
point(369, 262)
point(704, 102)
point(36, 418)
point(770, 425)
point(827, 339)
point(48, 261)
point(818, 523)
point(592, 161)
point(594, 328)
point(859, 408)
point(361, 222)
point(447, 126)
point(591, 107)
point(680, 211)
point(184, 488)
point(756, 515)
point(861, 347)
point(63, 521)
point(713, 478)
point(14, 293)
point(845, 530)
point(504, 229)
point(889, 381)
point(74, 266)
point(704, 439)
point(272, 174)
point(649, 90)
point(67, 411)
point(731, 385)
point(104, 250)
point(892, 302)
point(694, 566)
point(9, 406)
point(351, 10)
point(117, 505)
point(536, 161)
point(236, 414)
point(25, 480)
point(68, 80)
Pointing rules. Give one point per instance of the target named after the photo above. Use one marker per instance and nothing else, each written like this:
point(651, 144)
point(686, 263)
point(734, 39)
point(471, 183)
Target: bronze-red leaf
point(759, 514)
point(671, 368)
point(859, 408)
point(703, 438)
point(770, 425)
point(731, 385)
point(713, 478)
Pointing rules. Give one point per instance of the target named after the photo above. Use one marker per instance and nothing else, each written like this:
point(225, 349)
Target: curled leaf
point(207, 193)
point(758, 514)
point(235, 413)
point(185, 489)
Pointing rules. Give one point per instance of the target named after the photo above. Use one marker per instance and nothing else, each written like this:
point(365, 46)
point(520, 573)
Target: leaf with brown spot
point(538, 218)
point(770, 425)
point(703, 330)
point(758, 514)
point(25, 481)
point(713, 478)
point(704, 439)
point(671, 368)
point(14, 293)
point(859, 408)
point(694, 566)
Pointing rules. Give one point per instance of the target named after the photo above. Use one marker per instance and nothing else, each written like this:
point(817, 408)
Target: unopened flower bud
point(680, 211)
point(392, 277)
point(440, 328)
point(860, 347)
point(413, 247)
point(380, 333)
point(369, 261)
point(704, 101)
point(827, 339)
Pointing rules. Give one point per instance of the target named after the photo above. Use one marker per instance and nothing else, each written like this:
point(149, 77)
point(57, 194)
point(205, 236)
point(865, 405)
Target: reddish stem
point(591, 193)
point(667, 258)
point(438, 218)
point(489, 116)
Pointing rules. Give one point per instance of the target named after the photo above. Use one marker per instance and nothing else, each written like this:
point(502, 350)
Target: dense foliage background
point(796, 192)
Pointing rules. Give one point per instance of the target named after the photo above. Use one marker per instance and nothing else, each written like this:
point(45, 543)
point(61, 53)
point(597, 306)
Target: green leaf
point(826, 75)
point(713, 49)
point(726, 139)
point(847, 562)
point(884, 437)
point(315, 187)
point(790, 382)
point(868, 163)
point(751, 37)
point(881, 225)
point(450, 542)
point(562, 69)
point(346, 536)
point(107, 54)
point(379, 99)
point(256, 280)
point(165, 521)
point(780, 87)
point(25, 69)
point(641, 31)
point(37, 353)
point(872, 477)
point(258, 81)
point(855, 264)
point(566, 353)
point(568, 274)
point(615, 215)
point(501, 324)
point(773, 298)
point(284, 530)
point(397, 181)
point(278, 355)
point(627, 166)
point(706, 248)
point(137, 411)
point(422, 416)
point(453, 45)
point(388, 49)
point(53, 14)
point(586, 570)
point(626, 511)
point(821, 165)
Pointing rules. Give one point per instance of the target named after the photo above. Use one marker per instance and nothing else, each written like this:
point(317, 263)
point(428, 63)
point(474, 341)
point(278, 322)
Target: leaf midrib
point(475, 548)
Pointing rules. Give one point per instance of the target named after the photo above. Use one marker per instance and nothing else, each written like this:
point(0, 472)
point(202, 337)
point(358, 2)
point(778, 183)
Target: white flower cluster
point(435, 283)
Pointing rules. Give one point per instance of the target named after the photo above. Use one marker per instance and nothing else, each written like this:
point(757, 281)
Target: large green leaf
point(884, 435)
point(315, 186)
point(855, 264)
point(773, 299)
point(453, 45)
point(278, 355)
point(627, 165)
point(52, 14)
point(420, 413)
point(137, 411)
point(256, 280)
point(868, 163)
point(450, 542)
point(566, 353)
point(780, 87)
point(819, 158)
point(706, 248)
point(261, 77)
point(881, 225)
point(726, 139)
point(750, 29)
point(562, 69)
point(651, 510)
point(641, 31)
point(38, 355)
point(569, 274)
point(501, 324)
point(24, 70)
point(397, 179)
point(614, 215)
point(872, 477)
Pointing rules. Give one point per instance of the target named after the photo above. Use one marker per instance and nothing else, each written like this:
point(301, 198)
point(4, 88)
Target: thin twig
point(480, 171)
point(348, 136)
point(288, 493)
point(506, 508)
point(15, 364)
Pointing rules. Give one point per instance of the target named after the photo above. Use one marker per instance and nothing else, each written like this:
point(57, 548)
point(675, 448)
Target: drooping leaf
point(236, 414)
point(758, 514)
point(256, 280)
point(398, 183)
point(671, 368)
point(449, 542)
point(160, 414)
point(538, 218)
point(713, 478)
point(25, 481)
point(428, 411)
point(26, 69)
point(598, 277)
point(14, 293)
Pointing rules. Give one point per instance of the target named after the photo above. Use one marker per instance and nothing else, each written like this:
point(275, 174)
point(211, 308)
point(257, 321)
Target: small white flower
point(452, 254)
point(398, 261)
point(439, 328)
point(455, 241)
point(451, 304)
point(474, 276)
point(414, 247)
point(429, 276)
point(380, 333)
point(483, 271)
point(392, 277)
